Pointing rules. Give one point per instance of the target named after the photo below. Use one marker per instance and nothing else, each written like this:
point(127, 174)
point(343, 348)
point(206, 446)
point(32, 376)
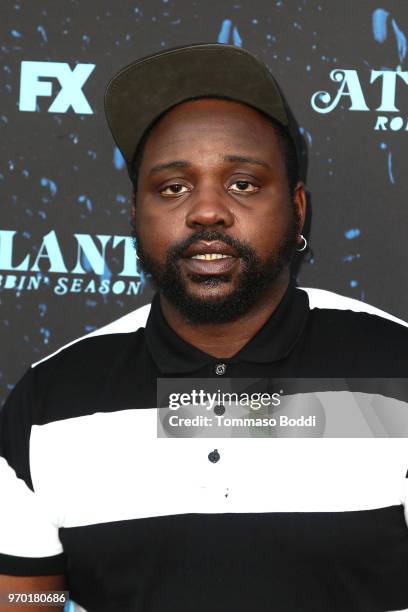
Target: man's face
point(214, 220)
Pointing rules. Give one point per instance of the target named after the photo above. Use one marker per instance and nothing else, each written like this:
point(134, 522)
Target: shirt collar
point(272, 342)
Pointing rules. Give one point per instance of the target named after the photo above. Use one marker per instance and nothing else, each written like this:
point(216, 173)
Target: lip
point(212, 266)
point(214, 246)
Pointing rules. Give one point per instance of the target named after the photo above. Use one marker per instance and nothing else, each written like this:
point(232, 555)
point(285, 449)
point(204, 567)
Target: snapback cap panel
point(142, 91)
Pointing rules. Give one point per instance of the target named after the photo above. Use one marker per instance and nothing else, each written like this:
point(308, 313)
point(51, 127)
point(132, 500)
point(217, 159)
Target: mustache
point(241, 248)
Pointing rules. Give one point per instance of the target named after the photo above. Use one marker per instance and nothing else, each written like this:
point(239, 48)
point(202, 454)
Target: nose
point(209, 208)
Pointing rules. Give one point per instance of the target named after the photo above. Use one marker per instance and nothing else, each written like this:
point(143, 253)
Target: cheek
point(158, 231)
point(265, 232)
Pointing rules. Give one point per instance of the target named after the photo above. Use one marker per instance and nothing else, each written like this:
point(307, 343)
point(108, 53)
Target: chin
point(208, 299)
point(211, 289)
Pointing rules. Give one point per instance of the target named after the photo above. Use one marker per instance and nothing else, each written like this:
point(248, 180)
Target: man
point(135, 521)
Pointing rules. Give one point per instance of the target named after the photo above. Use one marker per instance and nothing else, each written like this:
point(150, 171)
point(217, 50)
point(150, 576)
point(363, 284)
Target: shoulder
point(321, 299)
point(109, 334)
point(333, 307)
point(350, 327)
point(83, 376)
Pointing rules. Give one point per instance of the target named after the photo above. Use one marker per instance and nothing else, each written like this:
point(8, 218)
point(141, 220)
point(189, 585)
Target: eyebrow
point(247, 160)
point(182, 163)
point(177, 163)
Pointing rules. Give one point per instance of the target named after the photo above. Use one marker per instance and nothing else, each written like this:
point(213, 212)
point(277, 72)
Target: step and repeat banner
point(67, 264)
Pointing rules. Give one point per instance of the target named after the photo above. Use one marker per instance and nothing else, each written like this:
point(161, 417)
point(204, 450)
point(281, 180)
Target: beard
point(255, 278)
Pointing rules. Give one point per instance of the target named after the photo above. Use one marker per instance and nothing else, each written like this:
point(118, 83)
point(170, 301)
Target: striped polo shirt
point(141, 522)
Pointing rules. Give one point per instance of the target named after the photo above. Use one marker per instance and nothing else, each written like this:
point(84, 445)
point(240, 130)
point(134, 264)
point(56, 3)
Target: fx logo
point(71, 82)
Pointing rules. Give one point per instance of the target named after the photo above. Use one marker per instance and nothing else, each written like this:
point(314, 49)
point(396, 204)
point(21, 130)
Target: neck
point(226, 339)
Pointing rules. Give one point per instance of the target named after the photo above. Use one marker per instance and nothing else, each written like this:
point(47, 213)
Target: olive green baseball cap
point(145, 89)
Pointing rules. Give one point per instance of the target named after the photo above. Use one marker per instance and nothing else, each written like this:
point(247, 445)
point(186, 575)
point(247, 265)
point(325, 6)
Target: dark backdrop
point(66, 262)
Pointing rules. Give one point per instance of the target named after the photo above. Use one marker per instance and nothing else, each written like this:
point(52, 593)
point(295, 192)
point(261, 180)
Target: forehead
point(215, 123)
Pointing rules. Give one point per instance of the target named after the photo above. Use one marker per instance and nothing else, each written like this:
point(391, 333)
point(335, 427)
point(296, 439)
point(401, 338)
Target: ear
point(300, 200)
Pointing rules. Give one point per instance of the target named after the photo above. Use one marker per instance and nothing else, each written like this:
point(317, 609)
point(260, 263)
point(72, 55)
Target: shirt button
point(220, 369)
point(219, 409)
point(214, 456)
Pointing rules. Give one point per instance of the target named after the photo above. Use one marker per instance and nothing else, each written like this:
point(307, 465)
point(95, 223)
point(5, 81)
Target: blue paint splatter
point(45, 182)
point(84, 198)
point(45, 334)
point(226, 31)
point(352, 257)
point(390, 174)
point(142, 278)
point(353, 283)
point(306, 135)
point(43, 33)
point(380, 32)
point(43, 309)
point(15, 34)
point(85, 263)
point(121, 198)
point(236, 38)
point(107, 275)
point(401, 41)
point(379, 21)
point(352, 233)
point(118, 159)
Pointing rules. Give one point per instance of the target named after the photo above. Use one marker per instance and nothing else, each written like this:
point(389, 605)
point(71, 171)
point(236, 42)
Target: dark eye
point(173, 189)
point(244, 186)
